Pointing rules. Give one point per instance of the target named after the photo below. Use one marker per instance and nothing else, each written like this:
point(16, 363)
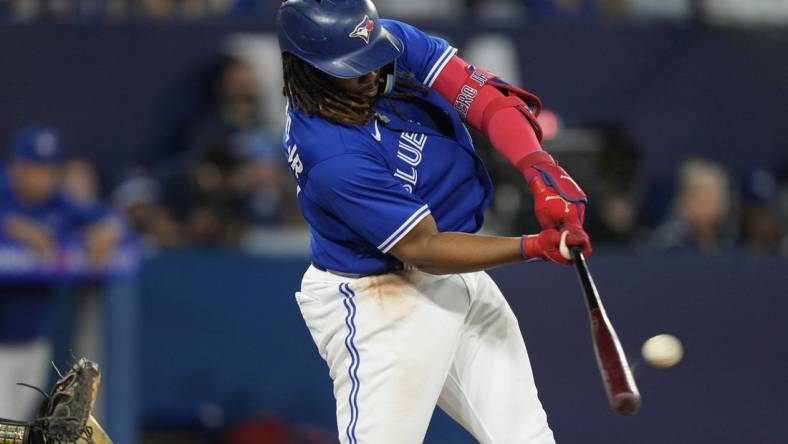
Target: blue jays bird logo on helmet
point(364, 29)
point(327, 33)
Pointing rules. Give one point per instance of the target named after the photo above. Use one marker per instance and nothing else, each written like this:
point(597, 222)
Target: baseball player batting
point(396, 298)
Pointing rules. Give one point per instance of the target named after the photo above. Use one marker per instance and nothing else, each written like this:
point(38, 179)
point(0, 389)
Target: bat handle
point(584, 274)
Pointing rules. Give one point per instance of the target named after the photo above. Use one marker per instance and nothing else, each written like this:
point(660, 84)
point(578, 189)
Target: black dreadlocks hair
point(311, 90)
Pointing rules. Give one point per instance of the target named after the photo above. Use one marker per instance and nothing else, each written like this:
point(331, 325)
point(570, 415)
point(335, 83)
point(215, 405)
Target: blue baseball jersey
point(61, 215)
point(25, 312)
point(362, 188)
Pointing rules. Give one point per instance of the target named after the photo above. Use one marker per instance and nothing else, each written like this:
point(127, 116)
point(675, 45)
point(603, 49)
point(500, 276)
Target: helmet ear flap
point(388, 79)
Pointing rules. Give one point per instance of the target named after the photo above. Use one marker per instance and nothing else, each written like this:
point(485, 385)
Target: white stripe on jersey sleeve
point(404, 229)
point(439, 65)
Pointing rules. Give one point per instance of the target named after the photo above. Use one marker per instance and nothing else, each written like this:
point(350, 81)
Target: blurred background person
point(205, 200)
point(38, 212)
point(619, 186)
point(762, 230)
point(235, 121)
point(701, 215)
point(80, 182)
point(229, 177)
point(137, 197)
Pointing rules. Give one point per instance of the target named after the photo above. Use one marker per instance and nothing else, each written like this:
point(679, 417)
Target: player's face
point(34, 182)
point(366, 85)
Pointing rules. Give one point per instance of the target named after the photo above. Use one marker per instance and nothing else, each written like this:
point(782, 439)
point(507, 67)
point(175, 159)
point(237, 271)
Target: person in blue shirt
point(396, 299)
point(35, 215)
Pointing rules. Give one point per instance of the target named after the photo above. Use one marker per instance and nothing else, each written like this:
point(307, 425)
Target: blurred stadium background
point(163, 120)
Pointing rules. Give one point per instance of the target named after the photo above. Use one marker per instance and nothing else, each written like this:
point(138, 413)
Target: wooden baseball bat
point(622, 393)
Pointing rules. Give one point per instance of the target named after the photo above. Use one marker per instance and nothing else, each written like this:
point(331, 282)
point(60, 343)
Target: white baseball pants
point(398, 344)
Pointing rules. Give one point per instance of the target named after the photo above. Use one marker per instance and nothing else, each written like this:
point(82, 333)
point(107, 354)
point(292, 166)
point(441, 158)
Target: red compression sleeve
point(509, 131)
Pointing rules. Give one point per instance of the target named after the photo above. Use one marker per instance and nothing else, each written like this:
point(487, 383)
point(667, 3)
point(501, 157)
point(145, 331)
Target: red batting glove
point(558, 200)
point(555, 246)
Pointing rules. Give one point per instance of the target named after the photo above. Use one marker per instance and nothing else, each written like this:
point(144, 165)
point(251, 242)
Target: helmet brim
point(380, 52)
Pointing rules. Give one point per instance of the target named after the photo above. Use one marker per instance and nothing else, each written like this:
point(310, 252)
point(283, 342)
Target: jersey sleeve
point(425, 56)
point(361, 191)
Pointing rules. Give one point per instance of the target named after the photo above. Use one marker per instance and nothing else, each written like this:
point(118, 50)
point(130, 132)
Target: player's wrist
point(544, 246)
point(527, 165)
point(529, 247)
point(558, 199)
point(555, 245)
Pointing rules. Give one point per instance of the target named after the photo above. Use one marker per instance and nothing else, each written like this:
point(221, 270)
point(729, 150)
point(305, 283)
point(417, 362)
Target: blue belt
point(357, 275)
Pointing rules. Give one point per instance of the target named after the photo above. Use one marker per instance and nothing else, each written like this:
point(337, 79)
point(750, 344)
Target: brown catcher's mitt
point(63, 416)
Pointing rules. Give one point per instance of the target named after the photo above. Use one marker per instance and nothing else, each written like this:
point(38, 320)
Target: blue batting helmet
point(343, 38)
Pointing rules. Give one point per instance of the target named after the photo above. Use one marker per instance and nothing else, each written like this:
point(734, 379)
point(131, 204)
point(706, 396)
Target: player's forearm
point(18, 227)
point(109, 230)
point(27, 231)
point(448, 253)
point(512, 130)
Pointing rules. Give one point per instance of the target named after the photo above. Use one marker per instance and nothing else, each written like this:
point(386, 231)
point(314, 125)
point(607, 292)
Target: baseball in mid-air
point(663, 351)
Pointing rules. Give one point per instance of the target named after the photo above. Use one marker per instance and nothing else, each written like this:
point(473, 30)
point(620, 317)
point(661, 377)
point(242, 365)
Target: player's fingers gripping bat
point(554, 245)
point(64, 417)
point(622, 393)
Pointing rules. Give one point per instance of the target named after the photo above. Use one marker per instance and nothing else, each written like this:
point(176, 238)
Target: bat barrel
point(619, 383)
point(626, 403)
